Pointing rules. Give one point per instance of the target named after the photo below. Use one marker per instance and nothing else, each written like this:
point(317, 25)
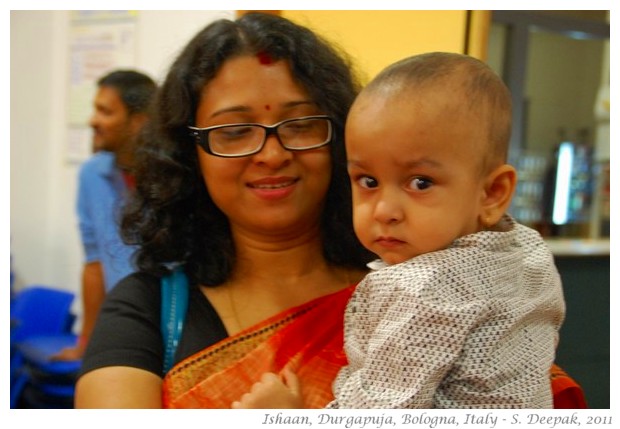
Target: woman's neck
point(273, 275)
point(279, 261)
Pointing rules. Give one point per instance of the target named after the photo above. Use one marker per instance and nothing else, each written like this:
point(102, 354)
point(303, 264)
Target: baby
point(464, 307)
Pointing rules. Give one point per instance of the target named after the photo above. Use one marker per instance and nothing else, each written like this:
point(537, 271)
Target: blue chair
point(41, 322)
point(40, 310)
point(50, 384)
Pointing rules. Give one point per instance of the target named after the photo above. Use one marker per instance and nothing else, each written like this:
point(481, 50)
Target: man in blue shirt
point(105, 181)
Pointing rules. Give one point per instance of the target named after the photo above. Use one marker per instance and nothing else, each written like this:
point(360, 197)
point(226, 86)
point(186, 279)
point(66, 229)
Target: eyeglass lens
point(295, 134)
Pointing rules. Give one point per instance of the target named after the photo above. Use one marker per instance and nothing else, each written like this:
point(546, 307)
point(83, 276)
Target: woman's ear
point(499, 186)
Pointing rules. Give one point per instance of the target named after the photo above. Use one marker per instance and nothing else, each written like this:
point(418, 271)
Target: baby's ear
point(499, 185)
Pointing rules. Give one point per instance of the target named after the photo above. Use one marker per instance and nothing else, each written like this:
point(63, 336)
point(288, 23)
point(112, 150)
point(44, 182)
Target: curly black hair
point(171, 217)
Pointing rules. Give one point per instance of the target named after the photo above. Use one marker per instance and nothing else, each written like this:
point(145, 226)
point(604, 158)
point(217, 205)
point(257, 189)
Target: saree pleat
point(307, 339)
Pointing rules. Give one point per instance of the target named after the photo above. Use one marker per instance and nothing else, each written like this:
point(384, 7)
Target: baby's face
point(415, 173)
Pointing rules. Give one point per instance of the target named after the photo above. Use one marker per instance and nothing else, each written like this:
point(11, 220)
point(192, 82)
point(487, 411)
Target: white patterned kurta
point(471, 326)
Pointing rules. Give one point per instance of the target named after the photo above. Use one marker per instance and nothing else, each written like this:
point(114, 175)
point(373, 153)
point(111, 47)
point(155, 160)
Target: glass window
point(557, 67)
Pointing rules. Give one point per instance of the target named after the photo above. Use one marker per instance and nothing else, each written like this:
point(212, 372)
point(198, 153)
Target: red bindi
point(267, 107)
point(264, 58)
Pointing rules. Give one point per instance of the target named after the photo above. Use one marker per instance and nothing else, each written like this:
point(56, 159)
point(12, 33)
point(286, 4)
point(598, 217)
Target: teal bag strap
point(174, 299)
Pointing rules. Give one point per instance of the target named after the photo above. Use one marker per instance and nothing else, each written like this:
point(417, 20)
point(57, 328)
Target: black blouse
point(128, 333)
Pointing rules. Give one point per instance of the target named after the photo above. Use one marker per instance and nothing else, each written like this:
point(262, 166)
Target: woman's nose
point(273, 154)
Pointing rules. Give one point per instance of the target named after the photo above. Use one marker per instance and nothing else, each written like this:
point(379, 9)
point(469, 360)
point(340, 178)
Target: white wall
point(45, 246)
point(564, 76)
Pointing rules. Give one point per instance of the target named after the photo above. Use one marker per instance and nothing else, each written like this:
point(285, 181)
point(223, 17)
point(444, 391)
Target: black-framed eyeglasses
point(237, 140)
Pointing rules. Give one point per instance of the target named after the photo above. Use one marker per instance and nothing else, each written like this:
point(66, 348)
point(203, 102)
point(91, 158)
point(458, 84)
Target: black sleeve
point(127, 332)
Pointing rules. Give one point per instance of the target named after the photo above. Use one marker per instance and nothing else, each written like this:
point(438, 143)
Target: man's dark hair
point(136, 89)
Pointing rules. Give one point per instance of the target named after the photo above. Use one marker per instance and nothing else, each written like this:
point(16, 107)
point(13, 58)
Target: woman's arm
point(118, 387)
point(122, 365)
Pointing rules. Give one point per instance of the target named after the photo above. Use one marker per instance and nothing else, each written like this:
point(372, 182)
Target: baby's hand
point(273, 392)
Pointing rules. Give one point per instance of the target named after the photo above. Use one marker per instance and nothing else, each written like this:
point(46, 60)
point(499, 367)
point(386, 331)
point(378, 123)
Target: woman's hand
point(273, 391)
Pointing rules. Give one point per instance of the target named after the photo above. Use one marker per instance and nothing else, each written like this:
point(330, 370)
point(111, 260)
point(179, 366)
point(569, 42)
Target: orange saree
point(567, 393)
point(307, 338)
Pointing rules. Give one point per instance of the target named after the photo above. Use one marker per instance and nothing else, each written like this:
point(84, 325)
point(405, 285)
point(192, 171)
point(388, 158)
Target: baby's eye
point(367, 182)
point(420, 183)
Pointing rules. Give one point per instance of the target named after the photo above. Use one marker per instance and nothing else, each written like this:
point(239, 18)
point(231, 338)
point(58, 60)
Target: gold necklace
point(233, 308)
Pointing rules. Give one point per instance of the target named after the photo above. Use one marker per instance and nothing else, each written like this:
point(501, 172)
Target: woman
point(242, 182)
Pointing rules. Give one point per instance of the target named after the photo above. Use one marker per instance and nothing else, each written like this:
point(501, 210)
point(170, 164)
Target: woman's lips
point(273, 188)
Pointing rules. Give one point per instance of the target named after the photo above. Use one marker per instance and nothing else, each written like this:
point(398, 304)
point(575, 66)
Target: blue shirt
point(101, 194)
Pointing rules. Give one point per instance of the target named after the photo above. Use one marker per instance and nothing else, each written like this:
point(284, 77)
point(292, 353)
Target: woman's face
point(274, 192)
